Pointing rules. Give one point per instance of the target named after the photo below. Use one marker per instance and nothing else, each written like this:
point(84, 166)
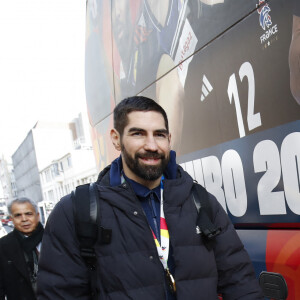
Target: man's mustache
point(150, 154)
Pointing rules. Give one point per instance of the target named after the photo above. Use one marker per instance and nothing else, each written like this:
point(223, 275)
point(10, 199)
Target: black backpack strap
point(85, 209)
point(204, 224)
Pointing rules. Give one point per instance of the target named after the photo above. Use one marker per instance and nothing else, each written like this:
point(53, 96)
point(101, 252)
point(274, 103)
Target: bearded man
point(155, 252)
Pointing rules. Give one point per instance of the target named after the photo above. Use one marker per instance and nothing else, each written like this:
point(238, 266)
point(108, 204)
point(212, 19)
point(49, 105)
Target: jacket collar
point(176, 189)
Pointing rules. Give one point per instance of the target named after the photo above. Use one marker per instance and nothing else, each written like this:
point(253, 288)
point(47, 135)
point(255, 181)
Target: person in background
point(155, 251)
point(19, 252)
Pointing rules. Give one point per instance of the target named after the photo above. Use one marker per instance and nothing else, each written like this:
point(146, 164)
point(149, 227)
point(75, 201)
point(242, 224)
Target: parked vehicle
point(10, 224)
point(5, 220)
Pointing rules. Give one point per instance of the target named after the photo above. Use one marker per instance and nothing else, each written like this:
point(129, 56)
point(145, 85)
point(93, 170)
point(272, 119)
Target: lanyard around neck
point(164, 245)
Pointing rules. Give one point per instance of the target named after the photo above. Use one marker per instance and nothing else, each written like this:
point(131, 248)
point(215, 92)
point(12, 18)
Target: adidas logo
point(206, 88)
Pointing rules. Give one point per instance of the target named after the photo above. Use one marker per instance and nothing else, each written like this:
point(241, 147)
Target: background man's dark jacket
point(129, 267)
point(14, 275)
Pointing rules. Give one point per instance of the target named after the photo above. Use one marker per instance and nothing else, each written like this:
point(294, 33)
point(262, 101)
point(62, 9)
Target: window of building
point(51, 195)
point(69, 160)
point(48, 175)
point(55, 169)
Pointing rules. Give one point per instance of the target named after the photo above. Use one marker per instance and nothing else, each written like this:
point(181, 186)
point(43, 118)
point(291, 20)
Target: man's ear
point(116, 139)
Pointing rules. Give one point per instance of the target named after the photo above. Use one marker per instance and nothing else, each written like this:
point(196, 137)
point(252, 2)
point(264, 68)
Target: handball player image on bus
point(227, 72)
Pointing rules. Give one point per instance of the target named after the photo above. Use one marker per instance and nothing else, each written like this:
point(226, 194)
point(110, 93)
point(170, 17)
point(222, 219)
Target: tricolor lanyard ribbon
point(164, 245)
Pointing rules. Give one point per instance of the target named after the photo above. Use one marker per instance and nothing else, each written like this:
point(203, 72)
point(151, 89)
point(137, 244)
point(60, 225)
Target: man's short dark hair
point(135, 103)
point(21, 201)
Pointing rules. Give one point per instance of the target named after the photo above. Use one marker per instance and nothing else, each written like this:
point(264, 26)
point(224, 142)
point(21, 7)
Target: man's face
point(24, 217)
point(145, 147)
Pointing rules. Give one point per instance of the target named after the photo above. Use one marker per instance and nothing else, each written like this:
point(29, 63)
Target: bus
point(227, 72)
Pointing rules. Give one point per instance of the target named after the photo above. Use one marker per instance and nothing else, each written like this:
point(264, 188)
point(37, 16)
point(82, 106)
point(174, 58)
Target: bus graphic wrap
point(227, 73)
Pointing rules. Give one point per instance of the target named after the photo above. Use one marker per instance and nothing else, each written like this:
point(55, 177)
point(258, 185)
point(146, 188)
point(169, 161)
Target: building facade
point(64, 174)
point(53, 159)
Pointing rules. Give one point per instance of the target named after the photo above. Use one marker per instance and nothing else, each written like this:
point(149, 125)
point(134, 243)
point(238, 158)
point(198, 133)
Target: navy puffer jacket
point(129, 267)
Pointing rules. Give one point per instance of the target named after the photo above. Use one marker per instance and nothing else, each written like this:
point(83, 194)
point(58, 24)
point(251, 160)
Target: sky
point(41, 65)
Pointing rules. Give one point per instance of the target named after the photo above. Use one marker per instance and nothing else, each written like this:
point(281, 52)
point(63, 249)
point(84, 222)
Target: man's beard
point(146, 172)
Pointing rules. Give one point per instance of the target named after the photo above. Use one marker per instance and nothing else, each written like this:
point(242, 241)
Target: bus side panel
point(255, 242)
point(283, 256)
point(276, 251)
point(99, 85)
